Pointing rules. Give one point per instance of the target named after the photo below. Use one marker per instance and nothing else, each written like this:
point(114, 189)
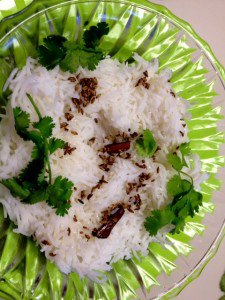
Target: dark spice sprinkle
point(72, 79)
point(74, 188)
point(80, 201)
point(172, 93)
point(129, 129)
point(157, 170)
point(74, 132)
point(143, 166)
point(87, 236)
point(184, 125)
point(158, 149)
point(82, 194)
point(69, 116)
point(45, 242)
point(182, 134)
point(152, 180)
point(69, 231)
point(85, 227)
point(52, 254)
point(64, 126)
point(81, 232)
point(92, 140)
point(153, 158)
point(96, 120)
point(89, 196)
point(74, 218)
point(145, 73)
point(177, 147)
point(68, 149)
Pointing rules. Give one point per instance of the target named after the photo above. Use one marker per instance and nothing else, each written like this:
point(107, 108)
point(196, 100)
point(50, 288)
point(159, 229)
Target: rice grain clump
point(99, 114)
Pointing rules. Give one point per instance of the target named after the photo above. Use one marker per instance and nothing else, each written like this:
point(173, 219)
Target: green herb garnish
point(146, 145)
point(32, 186)
point(185, 199)
point(57, 50)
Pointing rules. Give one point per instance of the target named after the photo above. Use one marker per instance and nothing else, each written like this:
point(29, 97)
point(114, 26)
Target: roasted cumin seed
point(69, 116)
point(74, 218)
point(80, 201)
point(45, 242)
point(68, 231)
point(182, 134)
point(52, 254)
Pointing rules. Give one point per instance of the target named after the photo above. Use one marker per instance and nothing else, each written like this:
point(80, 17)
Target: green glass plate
point(153, 32)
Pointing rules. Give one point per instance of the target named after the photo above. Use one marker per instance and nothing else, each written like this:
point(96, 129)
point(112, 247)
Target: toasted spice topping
point(157, 170)
point(96, 120)
point(64, 126)
point(143, 81)
point(89, 196)
point(87, 236)
point(69, 231)
point(81, 202)
point(45, 242)
point(143, 166)
point(104, 231)
point(172, 93)
point(92, 140)
point(182, 134)
point(82, 194)
point(74, 218)
point(69, 116)
point(74, 132)
point(72, 79)
point(184, 125)
point(134, 135)
point(68, 149)
point(52, 254)
point(117, 147)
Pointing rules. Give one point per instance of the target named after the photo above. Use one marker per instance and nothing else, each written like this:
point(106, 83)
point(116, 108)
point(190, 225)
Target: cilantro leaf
point(177, 186)
point(55, 144)
point(175, 161)
point(78, 56)
point(59, 195)
point(93, 35)
point(159, 219)
point(38, 195)
point(146, 145)
point(45, 126)
point(16, 189)
point(22, 122)
point(185, 149)
point(31, 172)
point(52, 51)
point(31, 185)
point(222, 283)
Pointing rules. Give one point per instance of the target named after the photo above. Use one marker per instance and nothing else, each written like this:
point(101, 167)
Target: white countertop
point(207, 17)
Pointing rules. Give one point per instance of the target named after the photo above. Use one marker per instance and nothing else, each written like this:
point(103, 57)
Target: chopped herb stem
point(187, 176)
point(34, 105)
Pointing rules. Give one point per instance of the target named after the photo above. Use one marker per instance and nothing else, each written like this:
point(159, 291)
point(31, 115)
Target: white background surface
point(207, 17)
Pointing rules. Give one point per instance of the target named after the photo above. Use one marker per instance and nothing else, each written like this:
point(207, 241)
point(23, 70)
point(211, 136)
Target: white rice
point(121, 106)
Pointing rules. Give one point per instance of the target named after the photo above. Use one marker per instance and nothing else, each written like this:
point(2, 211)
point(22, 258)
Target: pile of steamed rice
point(121, 107)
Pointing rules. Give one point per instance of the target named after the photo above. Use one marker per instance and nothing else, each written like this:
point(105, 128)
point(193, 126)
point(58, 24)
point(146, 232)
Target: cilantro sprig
point(185, 199)
point(146, 144)
point(57, 50)
point(32, 185)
